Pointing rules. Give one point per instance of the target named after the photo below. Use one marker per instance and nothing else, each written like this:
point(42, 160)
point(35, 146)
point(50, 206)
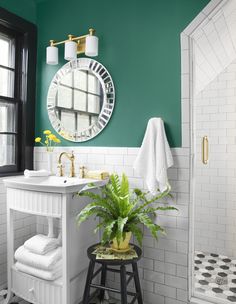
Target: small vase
point(124, 244)
point(50, 162)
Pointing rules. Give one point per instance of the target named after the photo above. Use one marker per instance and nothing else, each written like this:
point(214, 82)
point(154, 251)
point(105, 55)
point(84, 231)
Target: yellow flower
point(52, 137)
point(47, 132)
point(37, 139)
point(57, 140)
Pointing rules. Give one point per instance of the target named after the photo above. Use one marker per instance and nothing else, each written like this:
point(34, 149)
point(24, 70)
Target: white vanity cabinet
point(52, 197)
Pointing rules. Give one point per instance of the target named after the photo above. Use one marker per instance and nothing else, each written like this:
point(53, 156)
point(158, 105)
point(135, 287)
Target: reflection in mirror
point(81, 99)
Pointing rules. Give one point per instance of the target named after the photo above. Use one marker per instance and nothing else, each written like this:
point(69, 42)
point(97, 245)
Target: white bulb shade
point(70, 50)
point(91, 46)
point(52, 55)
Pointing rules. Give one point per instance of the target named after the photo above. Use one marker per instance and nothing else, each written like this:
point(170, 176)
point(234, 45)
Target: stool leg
point(137, 283)
point(88, 282)
point(103, 281)
point(123, 285)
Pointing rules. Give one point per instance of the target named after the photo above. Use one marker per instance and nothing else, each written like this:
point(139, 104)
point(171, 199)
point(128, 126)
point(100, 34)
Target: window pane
point(7, 150)
point(80, 101)
point(7, 117)
point(83, 122)
point(94, 85)
point(7, 47)
point(80, 80)
point(67, 80)
point(68, 121)
point(93, 104)
point(6, 82)
point(64, 97)
point(94, 119)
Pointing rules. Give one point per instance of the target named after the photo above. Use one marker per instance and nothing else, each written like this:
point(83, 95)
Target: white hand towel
point(41, 244)
point(34, 173)
point(39, 273)
point(154, 157)
point(44, 262)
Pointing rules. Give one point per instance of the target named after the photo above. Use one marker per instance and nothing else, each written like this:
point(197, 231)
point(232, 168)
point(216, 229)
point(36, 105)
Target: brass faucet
point(71, 157)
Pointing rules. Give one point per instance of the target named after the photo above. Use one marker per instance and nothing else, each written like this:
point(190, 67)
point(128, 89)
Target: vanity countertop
point(53, 184)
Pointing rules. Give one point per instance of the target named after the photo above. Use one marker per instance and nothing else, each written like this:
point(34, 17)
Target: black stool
point(123, 282)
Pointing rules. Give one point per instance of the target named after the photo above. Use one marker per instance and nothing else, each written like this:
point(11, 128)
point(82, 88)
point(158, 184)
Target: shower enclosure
point(213, 147)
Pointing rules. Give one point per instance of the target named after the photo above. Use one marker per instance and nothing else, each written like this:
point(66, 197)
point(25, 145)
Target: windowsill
point(10, 174)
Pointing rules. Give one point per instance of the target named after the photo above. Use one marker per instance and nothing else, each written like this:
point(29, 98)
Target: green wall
point(139, 45)
point(23, 8)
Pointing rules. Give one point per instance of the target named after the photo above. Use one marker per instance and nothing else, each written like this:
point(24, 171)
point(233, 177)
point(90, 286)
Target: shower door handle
point(205, 150)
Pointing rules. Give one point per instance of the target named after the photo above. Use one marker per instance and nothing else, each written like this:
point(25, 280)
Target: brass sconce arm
point(79, 39)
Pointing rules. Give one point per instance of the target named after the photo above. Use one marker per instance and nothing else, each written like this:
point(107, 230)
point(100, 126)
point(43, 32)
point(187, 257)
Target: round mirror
point(80, 99)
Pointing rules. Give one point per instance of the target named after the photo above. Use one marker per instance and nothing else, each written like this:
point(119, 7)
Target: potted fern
point(121, 212)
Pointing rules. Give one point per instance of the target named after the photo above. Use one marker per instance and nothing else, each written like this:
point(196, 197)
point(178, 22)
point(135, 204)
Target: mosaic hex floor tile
point(215, 276)
point(17, 300)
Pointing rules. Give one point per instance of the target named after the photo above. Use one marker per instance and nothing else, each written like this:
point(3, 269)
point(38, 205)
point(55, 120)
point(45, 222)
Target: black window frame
point(25, 34)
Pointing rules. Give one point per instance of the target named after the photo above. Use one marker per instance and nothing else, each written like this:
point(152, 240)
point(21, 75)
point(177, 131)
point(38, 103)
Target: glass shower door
point(215, 189)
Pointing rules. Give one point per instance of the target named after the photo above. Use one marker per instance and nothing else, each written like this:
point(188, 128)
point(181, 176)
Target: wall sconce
point(87, 44)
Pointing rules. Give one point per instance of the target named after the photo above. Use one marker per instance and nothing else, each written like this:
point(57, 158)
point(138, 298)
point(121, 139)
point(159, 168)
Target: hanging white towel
point(154, 157)
point(44, 262)
point(35, 173)
point(41, 244)
point(50, 275)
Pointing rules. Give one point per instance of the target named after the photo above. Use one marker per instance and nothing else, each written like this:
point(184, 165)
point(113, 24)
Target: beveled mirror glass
point(80, 99)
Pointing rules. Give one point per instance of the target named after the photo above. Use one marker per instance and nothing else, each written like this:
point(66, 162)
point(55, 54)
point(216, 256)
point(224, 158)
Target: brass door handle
point(205, 150)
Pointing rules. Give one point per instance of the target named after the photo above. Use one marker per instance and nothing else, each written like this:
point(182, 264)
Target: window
point(8, 100)
point(17, 42)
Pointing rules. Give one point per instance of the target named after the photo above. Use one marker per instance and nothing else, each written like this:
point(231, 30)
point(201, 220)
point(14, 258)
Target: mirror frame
point(108, 99)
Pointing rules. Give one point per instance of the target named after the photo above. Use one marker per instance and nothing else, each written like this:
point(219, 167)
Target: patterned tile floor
point(215, 276)
point(17, 300)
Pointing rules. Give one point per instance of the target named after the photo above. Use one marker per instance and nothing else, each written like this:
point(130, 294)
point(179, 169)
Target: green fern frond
point(124, 186)
point(92, 209)
point(106, 236)
point(146, 220)
point(137, 232)
point(115, 184)
point(120, 228)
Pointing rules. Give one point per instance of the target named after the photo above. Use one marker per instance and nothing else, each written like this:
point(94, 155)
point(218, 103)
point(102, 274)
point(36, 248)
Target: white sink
point(52, 183)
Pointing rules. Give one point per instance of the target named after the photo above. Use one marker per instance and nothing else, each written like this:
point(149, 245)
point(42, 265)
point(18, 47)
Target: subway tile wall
point(215, 208)
point(164, 267)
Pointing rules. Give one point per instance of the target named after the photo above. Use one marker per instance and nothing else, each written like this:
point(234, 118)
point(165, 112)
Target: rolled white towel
point(50, 275)
point(41, 244)
point(35, 173)
point(44, 262)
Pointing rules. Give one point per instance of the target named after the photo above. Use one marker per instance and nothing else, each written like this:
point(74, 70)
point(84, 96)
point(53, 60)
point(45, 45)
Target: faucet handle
point(82, 170)
point(72, 156)
point(60, 166)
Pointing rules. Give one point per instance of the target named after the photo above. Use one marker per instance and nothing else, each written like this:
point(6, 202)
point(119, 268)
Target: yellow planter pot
point(124, 244)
